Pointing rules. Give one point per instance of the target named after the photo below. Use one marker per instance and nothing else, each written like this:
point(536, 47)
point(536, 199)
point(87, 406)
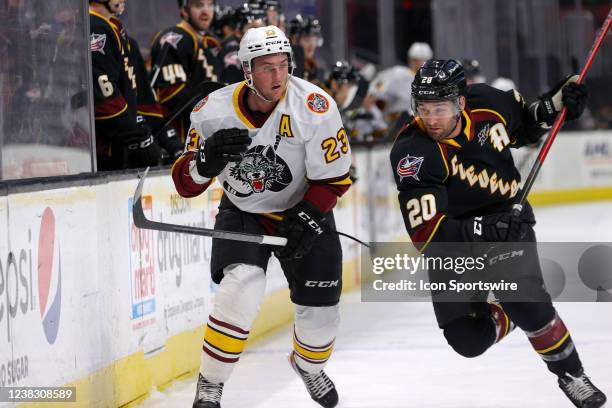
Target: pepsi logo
point(49, 276)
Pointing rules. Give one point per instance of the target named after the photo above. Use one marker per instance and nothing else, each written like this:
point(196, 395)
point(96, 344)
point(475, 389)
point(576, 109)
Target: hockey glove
point(566, 93)
point(137, 148)
point(169, 141)
point(501, 227)
point(223, 146)
point(302, 225)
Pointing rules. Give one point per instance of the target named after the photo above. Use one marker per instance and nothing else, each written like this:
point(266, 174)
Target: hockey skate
point(581, 391)
point(208, 395)
point(319, 386)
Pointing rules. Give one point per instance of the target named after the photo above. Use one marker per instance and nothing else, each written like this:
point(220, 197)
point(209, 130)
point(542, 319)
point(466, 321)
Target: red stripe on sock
point(227, 325)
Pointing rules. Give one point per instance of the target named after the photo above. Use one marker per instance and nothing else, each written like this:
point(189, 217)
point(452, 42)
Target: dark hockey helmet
point(304, 25)
point(439, 80)
point(342, 71)
point(223, 17)
point(272, 5)
point(266, 5)
point(247, 13)
point(471, 67)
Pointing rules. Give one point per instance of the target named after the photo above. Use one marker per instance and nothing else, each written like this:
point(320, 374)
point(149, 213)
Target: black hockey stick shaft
point(158, 64)
point(201, 91)
point(141, 221)
point(517, 208)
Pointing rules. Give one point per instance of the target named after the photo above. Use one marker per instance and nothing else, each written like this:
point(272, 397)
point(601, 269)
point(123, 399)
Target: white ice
point(392, 355)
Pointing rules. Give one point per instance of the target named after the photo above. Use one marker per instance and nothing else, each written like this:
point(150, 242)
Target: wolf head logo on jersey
point(260, 170)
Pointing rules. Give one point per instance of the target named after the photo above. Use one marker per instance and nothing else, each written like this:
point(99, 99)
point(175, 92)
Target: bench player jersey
point(303, 140)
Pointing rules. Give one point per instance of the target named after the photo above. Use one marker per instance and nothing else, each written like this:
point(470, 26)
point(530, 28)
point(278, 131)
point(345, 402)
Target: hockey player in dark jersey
point(244, 17)
point(185, 55)
point(305, 36)
point(457, 183)
point(150, 112)
point(122, 137)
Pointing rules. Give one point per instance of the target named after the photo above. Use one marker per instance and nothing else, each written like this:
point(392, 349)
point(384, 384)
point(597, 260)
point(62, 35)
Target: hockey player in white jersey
point(391, 87)
point(278, 148)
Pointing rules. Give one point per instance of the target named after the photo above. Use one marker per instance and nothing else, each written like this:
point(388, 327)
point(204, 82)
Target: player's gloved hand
point(302, 225)
point(137, 148)
point(223, 146)
point(566, 93)
point(501, 227)
point(169, 141)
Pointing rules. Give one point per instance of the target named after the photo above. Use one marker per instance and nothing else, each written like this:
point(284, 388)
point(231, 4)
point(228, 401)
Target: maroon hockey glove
point(302, 225)
point(223, 146)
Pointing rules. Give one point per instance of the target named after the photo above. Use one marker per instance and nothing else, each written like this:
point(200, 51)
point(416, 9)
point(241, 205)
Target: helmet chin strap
point(258, 94)
point(251, 85)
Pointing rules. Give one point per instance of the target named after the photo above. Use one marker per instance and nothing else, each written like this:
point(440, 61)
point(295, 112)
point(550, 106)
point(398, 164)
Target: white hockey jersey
point(394, 86)
point(303, 139)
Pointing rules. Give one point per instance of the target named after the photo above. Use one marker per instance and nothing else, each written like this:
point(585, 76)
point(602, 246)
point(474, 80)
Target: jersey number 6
point(421, 210)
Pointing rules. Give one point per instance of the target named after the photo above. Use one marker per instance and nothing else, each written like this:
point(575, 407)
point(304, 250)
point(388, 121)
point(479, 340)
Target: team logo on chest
point(97, 42)
point(260, 170)
point(317, 103)
point(409, 166)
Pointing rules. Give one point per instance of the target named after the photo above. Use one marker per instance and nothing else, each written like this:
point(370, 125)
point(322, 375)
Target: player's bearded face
point(270, 74)
point(201, 13)
point(439, 117)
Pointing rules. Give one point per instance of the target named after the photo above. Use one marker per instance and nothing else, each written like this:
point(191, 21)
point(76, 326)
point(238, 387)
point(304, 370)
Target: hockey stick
point(158, 64)
point(200, 91)
point(517, 208)
point(141, 221)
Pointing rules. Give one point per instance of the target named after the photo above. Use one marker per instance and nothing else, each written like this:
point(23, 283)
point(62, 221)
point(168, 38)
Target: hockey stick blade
point(141, 221)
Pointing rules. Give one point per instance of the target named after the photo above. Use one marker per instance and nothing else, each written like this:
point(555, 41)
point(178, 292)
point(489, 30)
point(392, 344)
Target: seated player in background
point(184, 56)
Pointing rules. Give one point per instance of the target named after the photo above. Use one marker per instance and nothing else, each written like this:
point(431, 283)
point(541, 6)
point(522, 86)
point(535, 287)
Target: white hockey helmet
point(504, 84)
point(420, 51)
point(260, 41)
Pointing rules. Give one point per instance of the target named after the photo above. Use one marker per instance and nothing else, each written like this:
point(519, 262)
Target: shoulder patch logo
point(171, 38)
point(231, 59)
point(409, 166)
point(317, 103)
point(200, 105)
point(483, 135)
point(97, 42)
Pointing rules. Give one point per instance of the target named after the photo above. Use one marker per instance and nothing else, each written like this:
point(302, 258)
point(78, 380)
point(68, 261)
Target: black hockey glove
point(302, 225)
point(136, 148)
point(169, 141)
point(501, 227)
point(223, 146)
point(566, 93)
